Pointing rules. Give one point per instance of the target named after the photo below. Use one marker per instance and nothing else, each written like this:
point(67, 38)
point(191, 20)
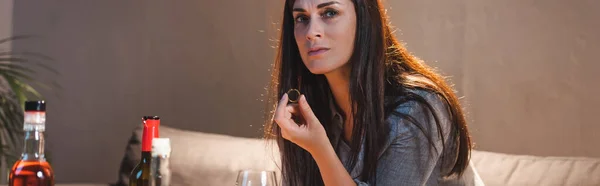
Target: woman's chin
point(319, 70)
point(325, 68)
point(319, 67)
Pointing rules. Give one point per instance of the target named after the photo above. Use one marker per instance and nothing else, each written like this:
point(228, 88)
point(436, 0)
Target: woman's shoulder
point(418, 110)
point(415, 101)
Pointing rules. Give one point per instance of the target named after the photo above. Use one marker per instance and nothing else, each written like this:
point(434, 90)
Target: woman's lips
point(317, 51)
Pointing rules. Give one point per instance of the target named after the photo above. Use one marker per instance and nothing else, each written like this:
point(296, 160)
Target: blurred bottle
point(161, 172)
point(32, 168)
point(141, 174)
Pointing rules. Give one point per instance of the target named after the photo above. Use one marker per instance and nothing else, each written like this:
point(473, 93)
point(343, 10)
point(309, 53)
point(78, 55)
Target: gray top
point(408, 158)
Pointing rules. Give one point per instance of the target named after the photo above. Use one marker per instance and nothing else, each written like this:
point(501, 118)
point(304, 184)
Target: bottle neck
point(34, 127)
point(146, 158)
point(34, 146)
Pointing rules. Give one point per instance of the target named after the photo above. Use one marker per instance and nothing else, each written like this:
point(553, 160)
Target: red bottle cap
point(150, 131)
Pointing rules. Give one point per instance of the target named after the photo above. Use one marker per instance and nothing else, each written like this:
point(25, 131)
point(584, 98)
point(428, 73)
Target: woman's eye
point(330, 13)
point(301, 19)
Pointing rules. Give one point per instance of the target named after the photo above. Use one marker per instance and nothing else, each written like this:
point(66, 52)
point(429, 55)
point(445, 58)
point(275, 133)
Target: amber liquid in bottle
point(141, 174)
point(32, 169)
point(31, 173)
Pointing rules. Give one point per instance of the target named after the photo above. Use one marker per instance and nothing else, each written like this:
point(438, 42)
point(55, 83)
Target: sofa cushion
point(199, 158)
point(507, 169)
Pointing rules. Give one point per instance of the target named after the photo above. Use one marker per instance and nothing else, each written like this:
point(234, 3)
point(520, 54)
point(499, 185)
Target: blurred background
point(526, 70)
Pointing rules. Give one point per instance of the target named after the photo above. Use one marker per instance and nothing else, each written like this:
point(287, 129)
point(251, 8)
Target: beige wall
point(5, 31)
point(6, 19)
point(528, 70)
point(533, 71)
point(525, 69)
point(200, 65)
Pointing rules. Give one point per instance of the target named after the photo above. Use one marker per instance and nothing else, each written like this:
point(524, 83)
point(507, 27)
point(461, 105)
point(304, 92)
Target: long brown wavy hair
point(381, 67)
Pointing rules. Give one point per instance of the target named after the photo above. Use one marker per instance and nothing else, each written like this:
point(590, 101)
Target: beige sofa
point(212, 159)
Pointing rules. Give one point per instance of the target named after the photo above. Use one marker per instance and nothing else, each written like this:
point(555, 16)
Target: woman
point(370, 113)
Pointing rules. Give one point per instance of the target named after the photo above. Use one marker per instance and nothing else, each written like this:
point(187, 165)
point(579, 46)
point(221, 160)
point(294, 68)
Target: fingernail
point(285, 95)
point(303, 98)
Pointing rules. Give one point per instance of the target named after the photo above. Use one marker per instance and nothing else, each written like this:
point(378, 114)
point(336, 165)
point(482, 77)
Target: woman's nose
point(314, 30)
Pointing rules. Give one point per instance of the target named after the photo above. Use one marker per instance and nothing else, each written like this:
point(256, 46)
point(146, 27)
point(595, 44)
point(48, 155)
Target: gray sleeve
point(410, 159)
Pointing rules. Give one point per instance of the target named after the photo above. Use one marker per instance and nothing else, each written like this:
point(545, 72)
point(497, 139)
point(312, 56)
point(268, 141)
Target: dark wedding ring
point(293, 95)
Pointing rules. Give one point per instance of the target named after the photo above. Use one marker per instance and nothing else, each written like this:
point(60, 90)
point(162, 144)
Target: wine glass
point(256, 178)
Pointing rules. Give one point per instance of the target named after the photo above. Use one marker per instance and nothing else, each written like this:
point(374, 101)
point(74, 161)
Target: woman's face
point(324, 31)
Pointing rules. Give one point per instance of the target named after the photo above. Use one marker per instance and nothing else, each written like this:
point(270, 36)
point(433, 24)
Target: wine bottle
point(141, 174)
point(32, 168)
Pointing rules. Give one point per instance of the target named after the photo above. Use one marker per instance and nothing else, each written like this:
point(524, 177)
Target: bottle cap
point(35, 116)
point(150, 131)
point(35, 105)
point(151, 118)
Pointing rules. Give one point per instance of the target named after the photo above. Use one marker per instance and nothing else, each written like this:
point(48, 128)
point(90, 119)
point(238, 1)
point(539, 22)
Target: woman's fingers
point(292, 108)
point(294, 118)
point(280, 117)
point(298, 123)
point(283, 117)
point(296, 115)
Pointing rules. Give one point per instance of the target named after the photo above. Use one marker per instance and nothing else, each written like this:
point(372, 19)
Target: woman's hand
point(299, 125)
point(308, 133)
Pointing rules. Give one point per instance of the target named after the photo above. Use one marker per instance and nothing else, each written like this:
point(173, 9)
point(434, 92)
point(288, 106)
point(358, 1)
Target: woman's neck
point(339, 83)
